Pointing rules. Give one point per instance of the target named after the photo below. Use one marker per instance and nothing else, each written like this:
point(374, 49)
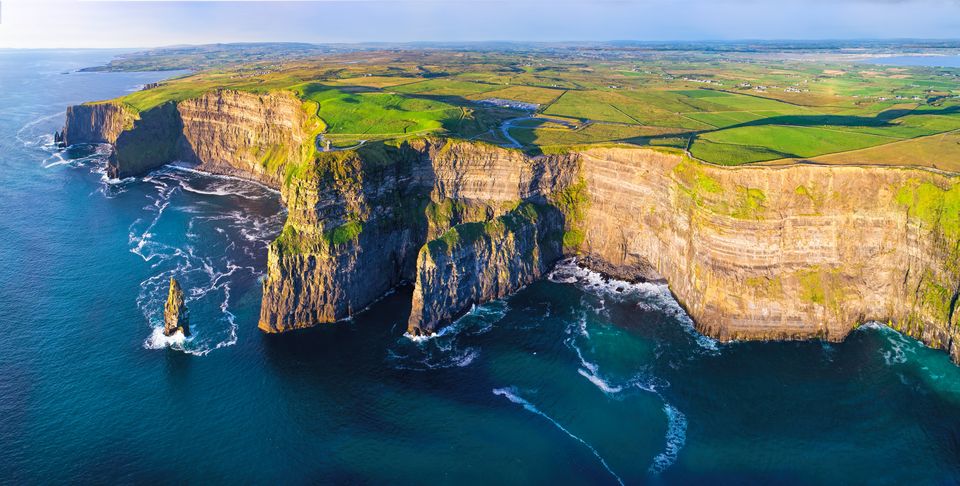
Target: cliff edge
point(792, 252)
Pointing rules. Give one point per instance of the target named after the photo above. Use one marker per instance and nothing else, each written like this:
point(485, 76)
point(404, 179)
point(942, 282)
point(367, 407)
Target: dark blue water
point(569, 381)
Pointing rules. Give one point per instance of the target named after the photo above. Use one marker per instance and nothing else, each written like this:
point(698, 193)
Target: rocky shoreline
point(794, 252)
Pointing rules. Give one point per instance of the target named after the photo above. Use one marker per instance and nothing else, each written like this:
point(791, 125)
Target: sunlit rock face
point(793, 252)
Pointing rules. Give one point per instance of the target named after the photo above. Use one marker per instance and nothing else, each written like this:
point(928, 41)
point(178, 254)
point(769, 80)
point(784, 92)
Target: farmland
point(729, 110)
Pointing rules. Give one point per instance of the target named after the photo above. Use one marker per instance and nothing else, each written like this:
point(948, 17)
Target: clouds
point(27, 23)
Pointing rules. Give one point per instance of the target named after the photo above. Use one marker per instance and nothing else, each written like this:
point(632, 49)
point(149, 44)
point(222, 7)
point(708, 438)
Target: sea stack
point(175, 314)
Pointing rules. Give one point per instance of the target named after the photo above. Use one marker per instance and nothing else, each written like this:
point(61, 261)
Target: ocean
point(573, 380)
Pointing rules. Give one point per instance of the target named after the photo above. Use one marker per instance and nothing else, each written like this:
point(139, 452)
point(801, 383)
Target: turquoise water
point(572, 380)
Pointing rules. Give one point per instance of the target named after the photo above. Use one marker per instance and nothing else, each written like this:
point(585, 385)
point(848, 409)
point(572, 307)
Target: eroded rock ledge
point(792, 252)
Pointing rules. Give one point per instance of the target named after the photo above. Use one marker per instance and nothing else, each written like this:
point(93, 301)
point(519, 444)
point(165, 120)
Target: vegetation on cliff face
point(341, 197)
point(694, 180)
point(821, 285)
point(464, 234)
point(345, 233)
point(749, 203)
point(573, 201)
point(937, 208)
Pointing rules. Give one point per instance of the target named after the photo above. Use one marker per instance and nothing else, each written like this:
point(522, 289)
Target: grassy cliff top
point(722, 109)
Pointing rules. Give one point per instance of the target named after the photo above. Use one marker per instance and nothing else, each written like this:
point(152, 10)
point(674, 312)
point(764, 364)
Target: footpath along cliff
point(793, 252)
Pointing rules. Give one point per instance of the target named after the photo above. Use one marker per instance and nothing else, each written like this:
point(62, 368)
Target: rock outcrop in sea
point(176, 317)
point(795, 252)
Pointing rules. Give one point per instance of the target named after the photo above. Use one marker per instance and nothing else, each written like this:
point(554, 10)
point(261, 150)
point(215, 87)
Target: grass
point(757, 143)
point(345, 233)
point(526, 94)
point(733, 154)
point(804, 110)
point(941, 151)
point(588, 105)
point(377, 113)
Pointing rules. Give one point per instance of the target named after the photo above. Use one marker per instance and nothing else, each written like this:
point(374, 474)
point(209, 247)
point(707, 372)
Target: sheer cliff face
point(243, 134)
point(478, 262)
point(358, 220)
point(354, 227)
point(783, 253)
point(223, 132)
point(752, 253)
point(96, 123)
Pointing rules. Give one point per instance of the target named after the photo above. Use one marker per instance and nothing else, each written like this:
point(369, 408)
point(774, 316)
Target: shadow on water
point(178, 365)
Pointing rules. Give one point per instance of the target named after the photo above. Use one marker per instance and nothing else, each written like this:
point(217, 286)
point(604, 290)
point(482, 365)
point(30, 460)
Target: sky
point(128, 23)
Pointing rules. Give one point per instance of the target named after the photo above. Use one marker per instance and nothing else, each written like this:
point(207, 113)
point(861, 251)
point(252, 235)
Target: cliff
point(358, 219)
point(783, 253)
point(96, 122)
point(355, 222)
point(473, 263)
point(256, 136)
point(176, 318)
point(791, 252)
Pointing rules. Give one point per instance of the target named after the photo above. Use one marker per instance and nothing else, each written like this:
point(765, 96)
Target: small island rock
point(175, 314)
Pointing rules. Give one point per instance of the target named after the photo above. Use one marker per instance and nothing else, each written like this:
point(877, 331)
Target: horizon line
point(502, 41)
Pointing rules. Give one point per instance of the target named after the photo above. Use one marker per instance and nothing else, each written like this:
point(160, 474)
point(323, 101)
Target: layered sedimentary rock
point(222, 132)
point(752, 253)
point(96, 122)
point(783, 253)
point(478, 262)
point(176, 317)
point(353, 229)
point(357, 220)
point(243, 134)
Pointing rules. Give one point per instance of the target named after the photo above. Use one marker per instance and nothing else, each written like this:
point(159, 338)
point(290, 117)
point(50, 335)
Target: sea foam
point(676, 437)
point(511, 394)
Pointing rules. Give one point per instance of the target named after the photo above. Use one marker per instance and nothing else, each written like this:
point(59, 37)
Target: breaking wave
point(899, 346)
point(189, 230)
point(37, 133)
point(676, 437)
point(215, 253)
point(650, 295)
point(511, 394)
point(446, 348)
point(578, 335)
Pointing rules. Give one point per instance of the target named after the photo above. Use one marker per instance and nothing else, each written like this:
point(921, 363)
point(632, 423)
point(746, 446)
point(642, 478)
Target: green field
point(375, 113)
point(723, 111)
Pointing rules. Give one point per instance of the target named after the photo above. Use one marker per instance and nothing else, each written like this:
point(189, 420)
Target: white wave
point(421, 338)
point(591, 371)
point(443, 349)
point(54, 161)
point(676, 437)
point(207, 279)
point(478, 320)
point(158, 340)
point(152, 296)
point(231, 187)
point(676, 429)
point(600, 382)
point(510, 394)
point(657, 295)
point(179, 167)
point(572, 344)
point(36, 139)
point(899, 345)
point(449, 358)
